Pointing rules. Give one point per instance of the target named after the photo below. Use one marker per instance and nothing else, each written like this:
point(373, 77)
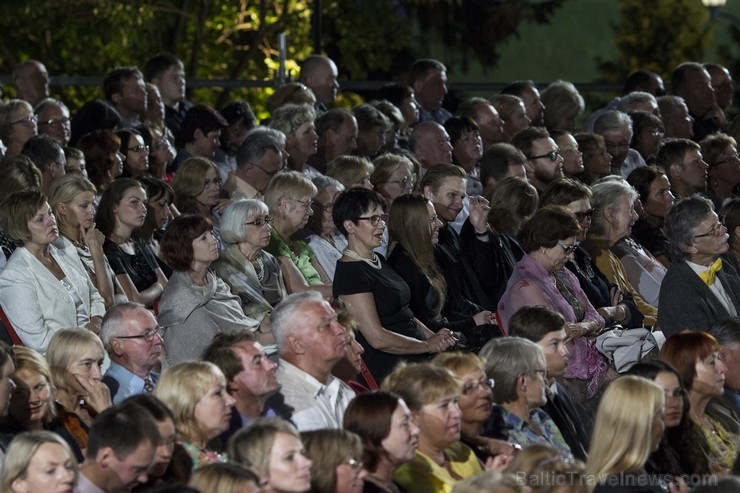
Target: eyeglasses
point(327, 207)
point(259, 222)
point(715, 231)
point(305, 203)
point(733, 158)
point(148, 336)
point(374, 220)
point(269, 173)
point(433, 219)
point(655, 132)
point(401, 183)
point(568, 248)
point(353, 463)
point(29, 121)
point(553, 155)
point(583, 215)
point(471, 387)
point(56, 123)
point(139, 149)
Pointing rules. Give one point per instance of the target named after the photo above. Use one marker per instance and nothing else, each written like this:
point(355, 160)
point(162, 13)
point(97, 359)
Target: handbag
point(627, 347)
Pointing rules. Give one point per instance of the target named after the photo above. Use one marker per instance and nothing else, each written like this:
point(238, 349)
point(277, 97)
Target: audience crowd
point(397, 297)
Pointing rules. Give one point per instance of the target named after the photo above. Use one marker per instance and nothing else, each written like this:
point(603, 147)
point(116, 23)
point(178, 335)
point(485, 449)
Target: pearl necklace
point(373, 262)
point(259, 268)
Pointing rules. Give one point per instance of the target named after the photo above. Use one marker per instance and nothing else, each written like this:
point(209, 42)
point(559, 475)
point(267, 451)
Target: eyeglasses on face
point(259, 222)
point(269, 173)
point(139, 149)
point(715, 231)
point(305, 203)
point(374, 220)
point(29, 121)
point(568, 248)
point(583, 215)
point(56, 123)
point(552, 155)
point(402, 183)
point(148, 336)
point(471, 387)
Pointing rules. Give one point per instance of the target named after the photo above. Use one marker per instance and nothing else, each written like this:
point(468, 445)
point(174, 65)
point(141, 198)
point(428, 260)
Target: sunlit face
point(659, 199)
point(163, 454)
point(50, 470)
point(468, 149)
point(572, 156)
point(133, 469)
point(490, 124)
point(354, 352)
point(154, 104)
point(29, 401)
point(304, 140)
point(400, 182)
point(87, 368)
point(205, 248)
point(431, 90)
point(257, 378)
point(290, 469)
point(368, 235)
point(440, 422)
point(22, 126)
point(137, 354)
point(213, 412)
point(160, 207)
point(323, 81)
point(43, 226)
point(726, 168)
point(131, 210)
point(532, 103)
point(448, 199)
point(556, 352)
point(257, 236)
point(297, 210)
point(541, 164)
point(435, 147)
point(710, 239)
point(583, 212)
point(54, 121)
point(693, 171)
point(137, 156)
point(434, 223)
point(350, 476)
point(76, 167)
point(674, 397)
point(623, 218)
point(171, 84)
point(403, 437)
point(320, 334)
point(517, 121)
point(710, 375)
point(477, 397)
point(345, 139)
point(211, 188)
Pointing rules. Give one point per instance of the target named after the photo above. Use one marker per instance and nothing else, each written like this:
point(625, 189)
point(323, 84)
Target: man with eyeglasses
point(544, 164)
point(258, 159)
point(54, 120)
point(616, 128)
point(48, 156)
point(133, 341)
point(699, 288)
point(685, 167)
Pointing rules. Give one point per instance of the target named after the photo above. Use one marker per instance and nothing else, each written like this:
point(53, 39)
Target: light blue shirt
point(127, 383)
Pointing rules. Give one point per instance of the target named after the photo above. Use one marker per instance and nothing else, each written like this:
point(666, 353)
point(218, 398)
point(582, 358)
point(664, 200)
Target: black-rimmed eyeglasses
point(552, 155)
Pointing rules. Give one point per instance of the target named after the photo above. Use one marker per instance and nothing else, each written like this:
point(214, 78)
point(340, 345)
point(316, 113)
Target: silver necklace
point(259, 268)
point(373, 262)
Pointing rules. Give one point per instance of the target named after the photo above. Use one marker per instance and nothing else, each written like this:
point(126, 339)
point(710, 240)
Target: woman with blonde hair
point(32, 406)
point(432, 394)
point(336, 461)
point(296, 121)
point(225, 477)
point(72, 198)
point(629, 426)
point(393, 176)
point(289, 196)
point(197, 187)
point(351, 171)
point(75, 358)
point(272, 448)
point(196, 393)
point(38, 462)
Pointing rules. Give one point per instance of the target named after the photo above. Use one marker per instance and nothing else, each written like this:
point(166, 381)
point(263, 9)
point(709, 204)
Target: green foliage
point(657, 35)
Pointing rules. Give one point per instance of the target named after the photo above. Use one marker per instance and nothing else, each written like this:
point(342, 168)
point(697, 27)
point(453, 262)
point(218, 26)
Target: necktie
point(709, 276)
point(148, 385)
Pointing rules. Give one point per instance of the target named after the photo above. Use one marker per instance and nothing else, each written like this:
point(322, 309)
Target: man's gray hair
point(258, 141)
point(611, 121)
point(286, 317)
point(115, 319)
point(682, 220)
point(625, 103)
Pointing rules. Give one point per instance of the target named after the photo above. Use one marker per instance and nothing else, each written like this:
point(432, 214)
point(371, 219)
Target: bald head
point(31, 81)
point(431, 144)
point(319, 73)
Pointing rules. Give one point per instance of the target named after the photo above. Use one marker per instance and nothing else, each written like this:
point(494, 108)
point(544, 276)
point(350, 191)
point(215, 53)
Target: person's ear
point(198, 135)
point(115, 346)
point(295, 345)
point(428, 192)
point(105, 456)
point(349, 226)
point(528, 167)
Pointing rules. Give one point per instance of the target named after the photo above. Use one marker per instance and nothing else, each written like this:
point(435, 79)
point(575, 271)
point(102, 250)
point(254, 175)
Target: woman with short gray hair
point(519, 368)
point(252, 274)
point(698, 288)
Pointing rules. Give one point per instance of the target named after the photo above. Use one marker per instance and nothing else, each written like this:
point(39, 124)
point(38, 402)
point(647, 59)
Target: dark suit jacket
point(562, 410)
point(685, 302)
